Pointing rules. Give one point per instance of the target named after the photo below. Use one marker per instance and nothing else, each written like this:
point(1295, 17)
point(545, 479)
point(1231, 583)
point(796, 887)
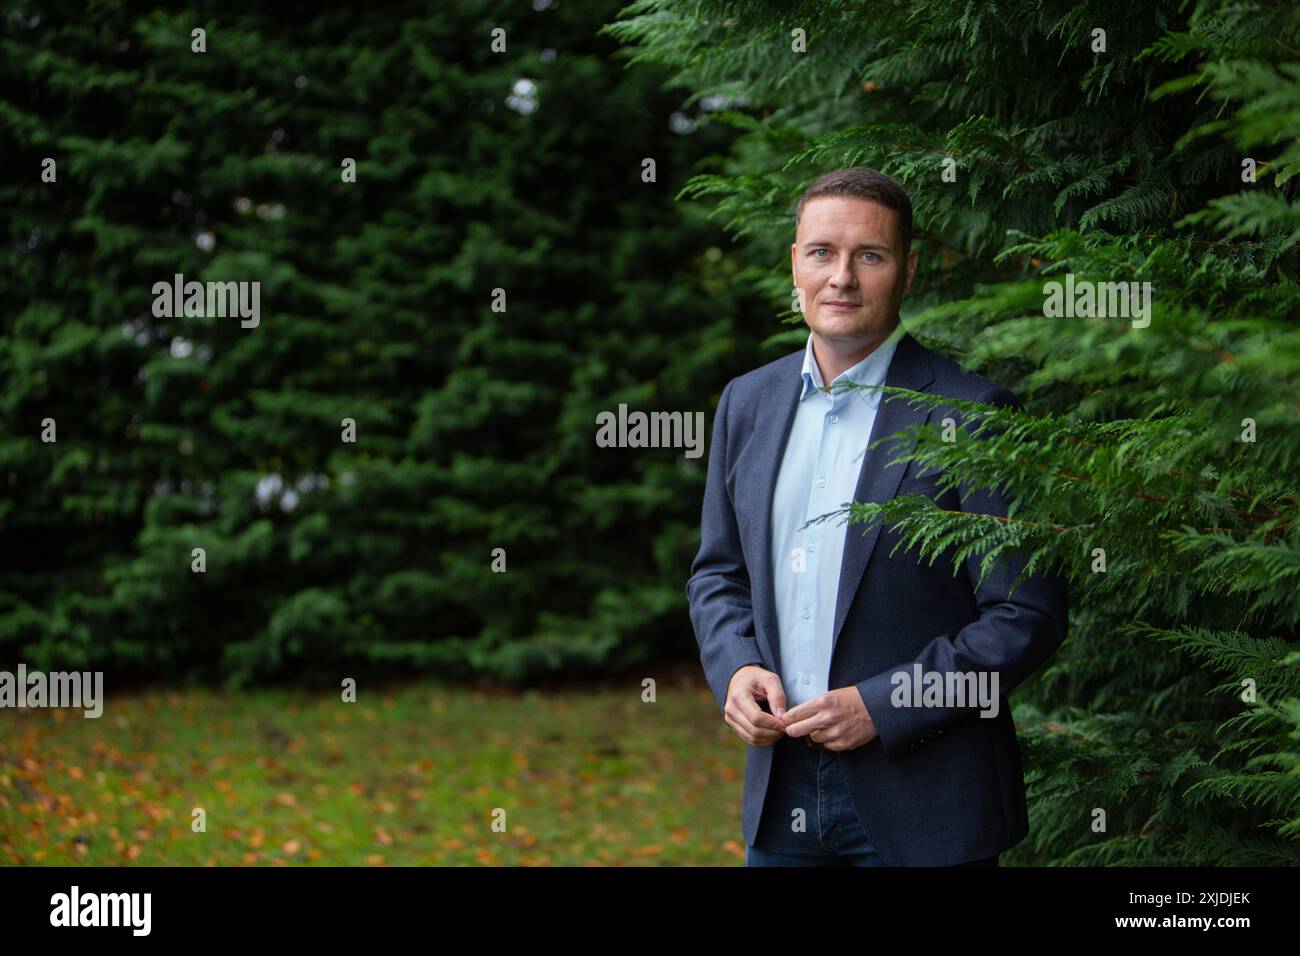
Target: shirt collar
point(870, 371)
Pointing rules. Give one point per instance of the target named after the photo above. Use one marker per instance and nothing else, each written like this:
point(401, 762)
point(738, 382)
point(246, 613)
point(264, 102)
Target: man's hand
point(837, 719)
point(749, 685)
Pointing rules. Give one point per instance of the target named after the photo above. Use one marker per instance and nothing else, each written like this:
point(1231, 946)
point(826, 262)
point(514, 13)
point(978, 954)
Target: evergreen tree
point(1155, 461)
point(482, 163)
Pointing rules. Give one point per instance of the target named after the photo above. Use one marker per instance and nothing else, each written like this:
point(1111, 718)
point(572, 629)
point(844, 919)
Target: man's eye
point(872, 254)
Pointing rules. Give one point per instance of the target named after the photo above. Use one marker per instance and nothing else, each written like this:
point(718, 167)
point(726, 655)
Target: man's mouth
point(844, 305)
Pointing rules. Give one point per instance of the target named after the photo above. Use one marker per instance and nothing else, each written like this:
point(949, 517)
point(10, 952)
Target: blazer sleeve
point(1012, 636)
point(721, 605)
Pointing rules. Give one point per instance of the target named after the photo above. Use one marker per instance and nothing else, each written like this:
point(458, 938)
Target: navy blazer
point(938, 786)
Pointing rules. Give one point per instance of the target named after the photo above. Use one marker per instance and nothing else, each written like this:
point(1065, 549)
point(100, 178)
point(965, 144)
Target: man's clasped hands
point(837, 719)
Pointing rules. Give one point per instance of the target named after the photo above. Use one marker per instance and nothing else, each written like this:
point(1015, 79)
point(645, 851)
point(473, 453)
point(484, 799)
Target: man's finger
point(757, 717)
point(745, 729)
point(775, 695)
point(805, 726)
point(798, 712)
point(809, 708)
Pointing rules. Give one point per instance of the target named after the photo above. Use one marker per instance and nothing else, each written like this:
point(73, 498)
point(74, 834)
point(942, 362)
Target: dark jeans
point(812, 780)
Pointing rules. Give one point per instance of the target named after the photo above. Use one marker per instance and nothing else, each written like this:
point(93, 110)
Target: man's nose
point(843, 276)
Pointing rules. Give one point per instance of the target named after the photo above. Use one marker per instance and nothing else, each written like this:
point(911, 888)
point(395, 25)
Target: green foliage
point(475, 428)
point(1124, 165)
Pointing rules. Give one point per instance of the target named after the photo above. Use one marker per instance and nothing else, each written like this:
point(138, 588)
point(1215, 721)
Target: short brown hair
point(859, 182)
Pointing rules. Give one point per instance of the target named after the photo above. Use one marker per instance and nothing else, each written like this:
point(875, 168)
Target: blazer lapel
point(771, 434)
point(909, 368)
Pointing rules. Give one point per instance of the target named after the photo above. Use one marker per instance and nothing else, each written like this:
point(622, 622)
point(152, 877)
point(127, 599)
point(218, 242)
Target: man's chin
point(847, 331)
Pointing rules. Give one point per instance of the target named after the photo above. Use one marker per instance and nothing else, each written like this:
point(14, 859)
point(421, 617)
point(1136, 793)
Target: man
point(810, 633)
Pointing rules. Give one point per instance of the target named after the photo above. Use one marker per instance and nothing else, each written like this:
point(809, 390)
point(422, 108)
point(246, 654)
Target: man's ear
point(911, 270)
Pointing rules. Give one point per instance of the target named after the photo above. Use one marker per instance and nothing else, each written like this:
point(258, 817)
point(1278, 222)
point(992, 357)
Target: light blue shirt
point(819, 475)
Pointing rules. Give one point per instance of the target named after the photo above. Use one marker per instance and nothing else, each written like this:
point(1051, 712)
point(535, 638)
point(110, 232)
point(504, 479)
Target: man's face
point(850, 251)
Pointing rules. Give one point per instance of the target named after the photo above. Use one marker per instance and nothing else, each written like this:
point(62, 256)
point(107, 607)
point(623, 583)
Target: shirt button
point(812, 546)
point(821, 482)
point(835, 419)
point(806, 614)
point(807, 678)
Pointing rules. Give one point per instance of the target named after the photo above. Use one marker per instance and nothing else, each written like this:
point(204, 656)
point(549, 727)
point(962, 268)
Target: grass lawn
point(408, 775)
